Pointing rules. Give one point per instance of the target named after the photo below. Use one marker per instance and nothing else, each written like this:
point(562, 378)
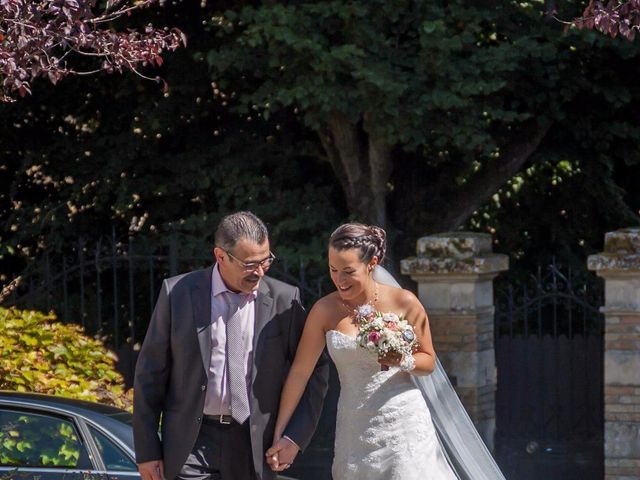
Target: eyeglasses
point(253, 266)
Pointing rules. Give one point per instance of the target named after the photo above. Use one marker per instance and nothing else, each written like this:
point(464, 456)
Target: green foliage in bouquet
point(40, 354)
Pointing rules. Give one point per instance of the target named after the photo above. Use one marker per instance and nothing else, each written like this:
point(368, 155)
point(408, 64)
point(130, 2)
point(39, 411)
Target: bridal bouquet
point(384, 333)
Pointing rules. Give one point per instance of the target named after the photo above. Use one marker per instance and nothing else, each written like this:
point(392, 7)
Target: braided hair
point(370, 240)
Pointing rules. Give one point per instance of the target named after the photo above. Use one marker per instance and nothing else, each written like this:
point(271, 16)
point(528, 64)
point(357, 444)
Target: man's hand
point(153, 470)
point(281, 454)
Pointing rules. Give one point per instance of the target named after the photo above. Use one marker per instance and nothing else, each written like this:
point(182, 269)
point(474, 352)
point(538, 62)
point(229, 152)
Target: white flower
point(377, 323)
point(365, 310)
point(390, 317)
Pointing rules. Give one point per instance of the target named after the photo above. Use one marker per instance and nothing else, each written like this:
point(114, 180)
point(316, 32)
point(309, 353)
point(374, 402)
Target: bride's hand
point(391, 359)
point(281, 454)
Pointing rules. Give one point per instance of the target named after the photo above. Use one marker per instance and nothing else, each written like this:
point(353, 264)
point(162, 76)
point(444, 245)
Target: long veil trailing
point(467, 453)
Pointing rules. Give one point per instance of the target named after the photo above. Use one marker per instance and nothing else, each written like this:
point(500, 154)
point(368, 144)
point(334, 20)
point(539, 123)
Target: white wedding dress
point(383, 426)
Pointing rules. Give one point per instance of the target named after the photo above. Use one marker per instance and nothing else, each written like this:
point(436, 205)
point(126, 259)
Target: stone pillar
point(455, 273)
point(619, 265)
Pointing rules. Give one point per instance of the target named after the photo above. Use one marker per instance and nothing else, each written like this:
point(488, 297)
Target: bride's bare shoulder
point(398, 295)
point(327, 308)
point(405, 300)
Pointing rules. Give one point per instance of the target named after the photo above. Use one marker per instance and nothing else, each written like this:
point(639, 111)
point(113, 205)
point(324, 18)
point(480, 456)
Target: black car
point(45, 437)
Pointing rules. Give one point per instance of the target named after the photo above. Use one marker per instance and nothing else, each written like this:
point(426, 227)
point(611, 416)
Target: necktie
point(236, 363)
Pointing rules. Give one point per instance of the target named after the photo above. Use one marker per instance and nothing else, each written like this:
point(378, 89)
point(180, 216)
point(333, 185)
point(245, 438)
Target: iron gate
point(549, 354)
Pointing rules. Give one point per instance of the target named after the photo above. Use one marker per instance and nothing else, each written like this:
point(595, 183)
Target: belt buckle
point(223, 422)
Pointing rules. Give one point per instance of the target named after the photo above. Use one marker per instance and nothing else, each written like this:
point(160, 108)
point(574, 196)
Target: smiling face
point(235, 276)
point(351, 275)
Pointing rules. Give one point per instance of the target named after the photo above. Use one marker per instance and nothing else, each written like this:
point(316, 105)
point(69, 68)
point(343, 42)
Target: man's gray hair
point(237, 226)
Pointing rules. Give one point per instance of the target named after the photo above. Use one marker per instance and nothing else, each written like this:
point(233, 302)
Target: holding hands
point(153, 470)
point(281, 454)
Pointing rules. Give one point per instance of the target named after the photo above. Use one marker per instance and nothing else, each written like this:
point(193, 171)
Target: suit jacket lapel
point(263, 314)
point(201, 301)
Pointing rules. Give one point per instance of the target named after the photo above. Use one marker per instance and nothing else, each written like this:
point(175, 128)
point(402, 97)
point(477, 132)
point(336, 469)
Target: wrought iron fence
point(110, 287)
point(555, 300)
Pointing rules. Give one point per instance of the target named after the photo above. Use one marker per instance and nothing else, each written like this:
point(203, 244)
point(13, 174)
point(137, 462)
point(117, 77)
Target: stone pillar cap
point(454, 253)
point(454, 245)
point(625, 240)
point(621, 251)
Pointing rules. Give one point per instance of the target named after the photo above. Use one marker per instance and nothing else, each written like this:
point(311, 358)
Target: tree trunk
point(456, 204)
point(362, 164)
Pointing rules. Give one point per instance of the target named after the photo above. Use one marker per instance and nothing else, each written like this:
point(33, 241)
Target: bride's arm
point(309, 349)
point(416, 315)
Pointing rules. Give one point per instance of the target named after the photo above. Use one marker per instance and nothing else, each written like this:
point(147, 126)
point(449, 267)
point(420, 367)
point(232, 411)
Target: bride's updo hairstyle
point(368, 239)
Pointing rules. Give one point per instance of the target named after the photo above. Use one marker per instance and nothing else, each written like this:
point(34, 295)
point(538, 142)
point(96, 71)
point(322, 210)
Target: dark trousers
point(221, 452)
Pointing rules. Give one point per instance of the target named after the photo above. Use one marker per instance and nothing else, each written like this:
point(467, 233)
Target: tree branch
point(33, 34)
point(460, 203)
point(333, 156)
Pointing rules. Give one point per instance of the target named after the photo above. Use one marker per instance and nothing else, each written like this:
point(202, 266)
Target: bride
point(384, 427)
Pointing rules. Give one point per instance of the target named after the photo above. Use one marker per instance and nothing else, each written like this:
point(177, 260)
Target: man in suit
point(213, 363)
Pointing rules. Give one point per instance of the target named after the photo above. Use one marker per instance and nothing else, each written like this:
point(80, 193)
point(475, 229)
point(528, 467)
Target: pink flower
point(374, 337)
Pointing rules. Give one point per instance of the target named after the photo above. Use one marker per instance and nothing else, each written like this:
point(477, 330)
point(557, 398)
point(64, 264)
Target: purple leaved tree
point(616, 17)
point(46, 38)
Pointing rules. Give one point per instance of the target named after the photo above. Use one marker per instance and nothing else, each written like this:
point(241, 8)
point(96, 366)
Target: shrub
point(40, 354)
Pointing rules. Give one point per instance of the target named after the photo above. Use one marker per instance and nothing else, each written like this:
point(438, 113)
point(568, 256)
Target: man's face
point(233, 272)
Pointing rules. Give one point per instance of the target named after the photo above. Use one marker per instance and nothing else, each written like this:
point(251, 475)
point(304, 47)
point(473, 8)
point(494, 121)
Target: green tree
point(473, 108)
point(111, 151)
point(474, 91)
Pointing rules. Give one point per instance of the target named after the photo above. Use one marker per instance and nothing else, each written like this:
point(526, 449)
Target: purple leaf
point(49, 28)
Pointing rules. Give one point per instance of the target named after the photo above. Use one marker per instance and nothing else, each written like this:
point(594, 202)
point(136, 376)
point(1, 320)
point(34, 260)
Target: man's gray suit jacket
point(171, 380)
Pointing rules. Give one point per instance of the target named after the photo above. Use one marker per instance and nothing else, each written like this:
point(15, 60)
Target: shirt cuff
point(288, 438)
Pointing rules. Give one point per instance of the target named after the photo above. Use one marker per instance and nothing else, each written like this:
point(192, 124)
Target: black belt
point(221, 419)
